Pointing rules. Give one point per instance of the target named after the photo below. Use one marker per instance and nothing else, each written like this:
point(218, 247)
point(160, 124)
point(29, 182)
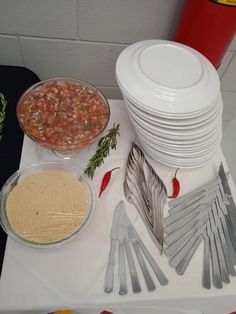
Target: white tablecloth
point(72, 276)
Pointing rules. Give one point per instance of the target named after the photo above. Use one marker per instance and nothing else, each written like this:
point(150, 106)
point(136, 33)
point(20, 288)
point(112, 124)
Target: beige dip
point(47, 207)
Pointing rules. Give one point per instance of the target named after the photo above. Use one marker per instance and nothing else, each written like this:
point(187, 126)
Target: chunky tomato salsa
point(63, 115)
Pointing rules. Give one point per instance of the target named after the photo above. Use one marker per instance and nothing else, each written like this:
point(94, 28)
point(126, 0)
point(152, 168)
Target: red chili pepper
point(176, 186)
point(105, 180)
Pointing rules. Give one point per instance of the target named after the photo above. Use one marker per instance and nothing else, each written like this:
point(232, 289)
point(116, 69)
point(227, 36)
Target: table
point(72, 276)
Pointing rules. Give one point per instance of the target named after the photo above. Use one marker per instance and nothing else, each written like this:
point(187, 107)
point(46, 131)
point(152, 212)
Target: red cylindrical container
point(208, 26)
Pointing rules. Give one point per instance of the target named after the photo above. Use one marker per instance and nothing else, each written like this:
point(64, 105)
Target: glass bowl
point(48, 228)
point(63, 115)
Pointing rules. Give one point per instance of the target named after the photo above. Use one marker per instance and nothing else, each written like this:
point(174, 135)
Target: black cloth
point(14, 81)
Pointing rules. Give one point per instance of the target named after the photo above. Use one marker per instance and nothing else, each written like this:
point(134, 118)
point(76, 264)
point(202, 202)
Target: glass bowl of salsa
point(63, 115)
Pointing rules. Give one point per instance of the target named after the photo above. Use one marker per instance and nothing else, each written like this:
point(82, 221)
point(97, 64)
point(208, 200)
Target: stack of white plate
point(172, 94)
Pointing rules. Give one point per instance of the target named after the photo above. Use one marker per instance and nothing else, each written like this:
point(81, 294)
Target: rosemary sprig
point(3, 105)
point(107, 142)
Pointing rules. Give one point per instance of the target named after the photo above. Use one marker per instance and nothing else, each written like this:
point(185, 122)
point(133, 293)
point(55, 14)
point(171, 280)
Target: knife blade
point(111, 260)
point(123, 221)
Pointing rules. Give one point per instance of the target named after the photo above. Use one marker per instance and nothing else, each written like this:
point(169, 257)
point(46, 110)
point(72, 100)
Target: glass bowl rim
point(83, 144)
point(67, 164)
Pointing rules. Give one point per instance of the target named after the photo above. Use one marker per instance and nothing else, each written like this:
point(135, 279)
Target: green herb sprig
point(3, 105)
point(107, 142)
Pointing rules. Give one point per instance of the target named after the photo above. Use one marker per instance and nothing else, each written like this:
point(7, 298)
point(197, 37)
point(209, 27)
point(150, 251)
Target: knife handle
point(206, 275)
point(176, 260)
point(132, 269)
point(110, 268)
point(180, 269)
point(217, 282)
point(159, 274)
point(122, 272)
point(147, 277)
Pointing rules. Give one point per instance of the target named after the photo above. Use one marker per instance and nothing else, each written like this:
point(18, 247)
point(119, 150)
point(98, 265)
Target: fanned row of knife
point(207, 214)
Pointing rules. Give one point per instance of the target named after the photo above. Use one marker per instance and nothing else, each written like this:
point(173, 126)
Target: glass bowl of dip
point(46, 204)
point(63, 115)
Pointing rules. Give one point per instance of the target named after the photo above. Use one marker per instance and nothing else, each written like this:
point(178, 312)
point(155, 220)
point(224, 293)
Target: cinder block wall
point(82, 39)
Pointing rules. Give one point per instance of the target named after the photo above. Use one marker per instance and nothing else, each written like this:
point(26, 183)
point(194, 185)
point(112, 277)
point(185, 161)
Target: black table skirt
point(13, 82)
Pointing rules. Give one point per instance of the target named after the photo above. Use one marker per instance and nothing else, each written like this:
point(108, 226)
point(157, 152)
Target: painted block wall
point(82, 39)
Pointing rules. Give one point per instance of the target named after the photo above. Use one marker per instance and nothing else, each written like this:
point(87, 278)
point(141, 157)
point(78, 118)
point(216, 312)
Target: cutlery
point(176, 259)
point(124, 233)
point(222, 241)
point(206, 214)
point(178, 234)
point(146, 191)
point(206, 275)
point(140, 248)
point(226, 233)
point(197, 191)
point(132, 269)
point(181, 267)
point(146, 275)
point(216, 276)
point(122, 267)
point(219, 250)
point(111, 260)
point(231, 206)
point(173, 247)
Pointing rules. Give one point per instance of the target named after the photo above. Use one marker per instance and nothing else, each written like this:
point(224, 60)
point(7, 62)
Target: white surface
point(73, 275)
point(168, 65)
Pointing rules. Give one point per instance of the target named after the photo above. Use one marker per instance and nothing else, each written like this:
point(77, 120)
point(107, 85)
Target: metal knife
point(139, 247)
point(111, 261)
point(135, 238)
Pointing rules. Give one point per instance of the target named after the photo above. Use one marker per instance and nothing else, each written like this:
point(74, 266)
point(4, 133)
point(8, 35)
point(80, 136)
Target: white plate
point(167, 77)
point(178, 162)
point(179, 123)
point(184, 154)
point(170, 136)
point(180, 142)
point(177, 132)
point(167, 115)
point(176, 165)
point(182, 148)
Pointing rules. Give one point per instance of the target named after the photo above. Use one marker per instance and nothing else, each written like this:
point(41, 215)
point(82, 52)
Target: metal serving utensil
point(111, 261)
point(144, 189)
point(209, 214)
point(125, 234)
